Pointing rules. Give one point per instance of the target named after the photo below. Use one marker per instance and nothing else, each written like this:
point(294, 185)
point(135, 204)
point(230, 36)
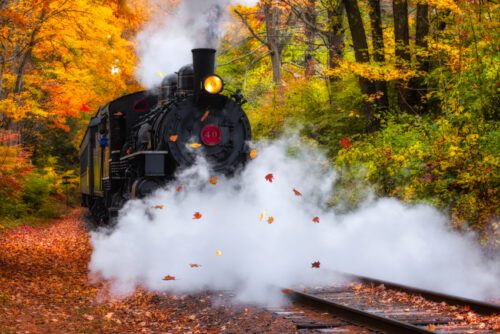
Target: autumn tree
point(279, 23)
point(362, 55)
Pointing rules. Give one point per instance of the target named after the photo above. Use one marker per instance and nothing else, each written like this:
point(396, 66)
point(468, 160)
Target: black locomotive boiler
point(136, 143)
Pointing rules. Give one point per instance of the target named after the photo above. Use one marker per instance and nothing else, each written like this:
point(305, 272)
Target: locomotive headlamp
point(213, 84)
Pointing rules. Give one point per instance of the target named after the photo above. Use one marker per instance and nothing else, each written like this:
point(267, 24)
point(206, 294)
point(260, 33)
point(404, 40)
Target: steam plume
point(165, 43)
point(384, 238)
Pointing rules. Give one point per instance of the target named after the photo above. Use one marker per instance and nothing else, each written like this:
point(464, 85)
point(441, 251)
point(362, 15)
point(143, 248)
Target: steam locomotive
point(136, 143)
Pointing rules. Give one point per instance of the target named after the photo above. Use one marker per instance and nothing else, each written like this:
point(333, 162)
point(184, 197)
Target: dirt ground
point(45, 288)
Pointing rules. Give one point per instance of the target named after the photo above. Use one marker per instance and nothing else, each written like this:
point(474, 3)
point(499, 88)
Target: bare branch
point(254, 34)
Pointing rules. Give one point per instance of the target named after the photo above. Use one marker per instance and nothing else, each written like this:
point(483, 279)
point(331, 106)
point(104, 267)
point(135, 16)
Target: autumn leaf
point(118, 114)
point(262, 215)
point(178, 189)
point(108, 316)
point(213, 180)
point(315, 264)
point(218, 252)
point(253, 154)
point(296, 192)
point(173, 138)
point(345, 142)
point(197, 215)
point(431, 327)
point(270, 220)
point(84, 108)
point(316, 220)
point(204, 117)
point(169, 278)
point(286, 291)
point(159, 206)
point(195, 145)
point(194, 265)
point(270, 178)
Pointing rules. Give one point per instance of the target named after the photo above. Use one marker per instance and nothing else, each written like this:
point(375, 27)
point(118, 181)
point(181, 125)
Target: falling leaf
point(195, 145)
point(218, 252)
point(262, 215)
point(204, 117)
point(194, 265)
point(345, 142)
point(159, 206)
point(270, 220)
point(316, 220)
point(197, 215)
point(173, 138)
point(178, 189)
point(253, 154)
point(213, 180)
point(169, 278)
point(84, 108)
point(296, 192)
point(270, 177)
point(315, 264)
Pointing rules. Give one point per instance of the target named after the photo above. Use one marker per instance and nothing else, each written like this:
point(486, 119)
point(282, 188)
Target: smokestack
point(203, 65)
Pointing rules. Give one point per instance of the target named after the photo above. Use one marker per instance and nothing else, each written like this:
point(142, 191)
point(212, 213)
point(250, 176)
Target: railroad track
point(378, 306)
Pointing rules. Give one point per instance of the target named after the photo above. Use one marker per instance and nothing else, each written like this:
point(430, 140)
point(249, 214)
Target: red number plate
point(211, 135)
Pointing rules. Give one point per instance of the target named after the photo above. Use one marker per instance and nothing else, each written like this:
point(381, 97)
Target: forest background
point(402, 95)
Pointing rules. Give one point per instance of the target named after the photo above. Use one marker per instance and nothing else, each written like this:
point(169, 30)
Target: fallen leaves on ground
point(194, 265)
point(296, 192)
point(169, 278)
point(197, 215)
point(45, 288)
point(178, 189)
point(315, 220)
point(253, 154)
point(158, 206)
point(315, 264)
point(270, 219)
point(269, 177)
point(213, 180)
point(218, 252)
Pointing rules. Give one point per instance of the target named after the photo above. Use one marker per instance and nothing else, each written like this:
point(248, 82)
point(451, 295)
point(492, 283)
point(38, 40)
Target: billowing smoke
point(239, 247)
point(165, 43)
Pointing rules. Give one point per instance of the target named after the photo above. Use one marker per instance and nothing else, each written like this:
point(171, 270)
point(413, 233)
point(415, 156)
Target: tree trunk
point(403, 57)
point(310, 34)
point(335, 36)
point(272, 20)
point(362, 56)
point(422, 31)
point(378, 52)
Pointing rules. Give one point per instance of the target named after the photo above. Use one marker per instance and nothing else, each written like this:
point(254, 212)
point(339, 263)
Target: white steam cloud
point(384, 238)
point(165, 43)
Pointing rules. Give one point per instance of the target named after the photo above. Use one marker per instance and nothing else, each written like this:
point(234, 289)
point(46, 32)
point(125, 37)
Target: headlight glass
point(213, 84)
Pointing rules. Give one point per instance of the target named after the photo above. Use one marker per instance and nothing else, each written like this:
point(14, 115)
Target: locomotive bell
point(203, 66)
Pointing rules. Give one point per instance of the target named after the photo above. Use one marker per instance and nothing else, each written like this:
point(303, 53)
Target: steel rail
point(355, 315)
point(478, 306)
